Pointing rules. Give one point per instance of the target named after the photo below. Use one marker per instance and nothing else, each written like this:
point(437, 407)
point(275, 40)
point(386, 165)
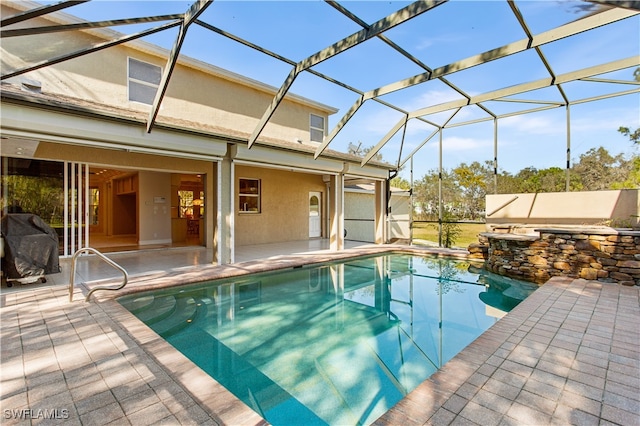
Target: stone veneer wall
point(606, 255)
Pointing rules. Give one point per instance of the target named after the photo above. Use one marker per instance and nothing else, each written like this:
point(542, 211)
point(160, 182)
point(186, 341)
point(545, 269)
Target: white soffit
point(17, 147)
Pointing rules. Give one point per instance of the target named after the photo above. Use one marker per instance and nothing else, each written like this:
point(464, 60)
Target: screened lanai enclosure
point(462, 99)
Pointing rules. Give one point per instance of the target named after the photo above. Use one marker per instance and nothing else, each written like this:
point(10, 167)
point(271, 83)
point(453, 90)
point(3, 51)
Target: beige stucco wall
point(195, 93)
point(284, 212)
point(569, 208)
point(154, 202)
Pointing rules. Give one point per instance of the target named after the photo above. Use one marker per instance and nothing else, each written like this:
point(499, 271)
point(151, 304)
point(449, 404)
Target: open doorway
point(188, 206)
point(113, 209)
point(115, 214)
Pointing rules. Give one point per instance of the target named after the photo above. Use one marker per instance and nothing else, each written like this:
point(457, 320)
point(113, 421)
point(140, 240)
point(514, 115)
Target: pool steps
point(166, 315)
point(159, 309)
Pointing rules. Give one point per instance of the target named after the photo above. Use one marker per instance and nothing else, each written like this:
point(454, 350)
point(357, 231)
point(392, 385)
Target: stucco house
point(107, 178)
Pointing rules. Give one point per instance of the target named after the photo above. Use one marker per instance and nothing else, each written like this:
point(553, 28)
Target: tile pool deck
point(569, 354)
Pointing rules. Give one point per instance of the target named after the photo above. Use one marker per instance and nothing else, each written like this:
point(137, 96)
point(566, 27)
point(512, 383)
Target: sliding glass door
point(57, 192)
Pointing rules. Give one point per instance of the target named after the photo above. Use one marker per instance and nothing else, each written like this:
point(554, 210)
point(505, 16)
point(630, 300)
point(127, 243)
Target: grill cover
point(30, 246)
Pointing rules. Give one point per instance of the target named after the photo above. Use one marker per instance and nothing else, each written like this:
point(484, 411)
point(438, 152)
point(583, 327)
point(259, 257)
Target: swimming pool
point(338, 343)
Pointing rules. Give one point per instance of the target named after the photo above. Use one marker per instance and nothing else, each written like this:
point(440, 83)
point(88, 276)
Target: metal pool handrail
point(103, 257)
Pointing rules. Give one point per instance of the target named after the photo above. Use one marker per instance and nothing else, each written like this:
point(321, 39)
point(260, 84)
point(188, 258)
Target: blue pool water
point(335, 344)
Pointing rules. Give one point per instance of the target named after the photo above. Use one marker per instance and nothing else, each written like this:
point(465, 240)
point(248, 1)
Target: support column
point(224, 239)
point(568, 171)
point(336, 212)
point(440, 206)
point(495, 155)
point(380, 218)
point(411, 203)
point(212, 200)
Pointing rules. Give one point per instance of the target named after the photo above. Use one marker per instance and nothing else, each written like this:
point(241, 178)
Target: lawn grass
point(429, 232)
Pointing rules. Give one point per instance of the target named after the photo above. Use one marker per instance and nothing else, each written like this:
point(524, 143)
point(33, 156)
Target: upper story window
point(144, 79)
point(316, 128)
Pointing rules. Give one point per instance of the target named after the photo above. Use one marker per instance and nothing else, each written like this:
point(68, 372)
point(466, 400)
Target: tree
point(426, 194)
point(632, 180)
point(472, 180)
point(599, 170)
point(552, 179)
point(42, 196)
point(507, 183)
point(634, 136)
point(450, 230)
point(527, 180)
point(359, 151)
point(400, 183)
point(354, 149)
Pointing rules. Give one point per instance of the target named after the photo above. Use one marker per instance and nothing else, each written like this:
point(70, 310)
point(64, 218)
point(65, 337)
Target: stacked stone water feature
point(602, 254)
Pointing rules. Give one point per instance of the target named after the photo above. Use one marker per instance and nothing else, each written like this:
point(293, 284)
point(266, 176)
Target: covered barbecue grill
point(30, 248)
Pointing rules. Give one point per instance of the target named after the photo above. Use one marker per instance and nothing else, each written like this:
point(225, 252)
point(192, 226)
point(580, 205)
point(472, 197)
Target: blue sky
point(448, 33)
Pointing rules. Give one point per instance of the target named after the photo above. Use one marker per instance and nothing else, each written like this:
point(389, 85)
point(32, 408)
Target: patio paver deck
point(569, 354)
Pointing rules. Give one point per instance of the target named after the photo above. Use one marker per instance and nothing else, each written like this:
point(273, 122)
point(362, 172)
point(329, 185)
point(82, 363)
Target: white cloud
point(605, 120)
point(459, 144)
point(380, 122)
point(428, 98)
point(553, 122)
point(534, 124)
point(424, 43)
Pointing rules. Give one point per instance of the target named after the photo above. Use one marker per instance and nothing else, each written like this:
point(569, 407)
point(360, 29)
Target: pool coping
point(202, 273)
point(476, 386)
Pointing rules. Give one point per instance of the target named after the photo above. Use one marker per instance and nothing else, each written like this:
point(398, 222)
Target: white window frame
point(258, 196)
point(320, 129)
point(141, 82)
